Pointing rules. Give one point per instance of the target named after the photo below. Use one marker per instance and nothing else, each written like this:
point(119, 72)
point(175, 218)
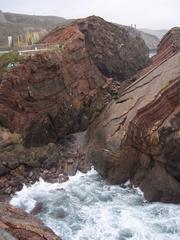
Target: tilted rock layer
point(169, 45)
point(43, 98)
point(170, 40)
point(15, 224)
point(137, 137)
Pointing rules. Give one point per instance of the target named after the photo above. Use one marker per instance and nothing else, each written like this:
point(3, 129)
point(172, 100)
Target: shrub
point(7, 58)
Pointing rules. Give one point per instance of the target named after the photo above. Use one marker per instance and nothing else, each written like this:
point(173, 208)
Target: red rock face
point(137, 137)
point(43, 98)
point(168, 46)
point(44, 95)
point(16, 224)
point(117, 51)
point(171, 39)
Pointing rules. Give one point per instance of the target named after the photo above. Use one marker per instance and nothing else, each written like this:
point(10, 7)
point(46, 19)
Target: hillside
point(17, 24)
point(151, 40)
point(20, 24)
point(158, 33)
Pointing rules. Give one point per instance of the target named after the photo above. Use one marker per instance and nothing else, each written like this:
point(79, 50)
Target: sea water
point(88, 208)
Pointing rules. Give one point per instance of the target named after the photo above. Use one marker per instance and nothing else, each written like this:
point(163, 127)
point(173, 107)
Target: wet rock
point(160, 185)
point(52, 160)
point(39, 207)
point(61, 213)
point(70, 168)
point(63, 178)
point(16, 224)
point(8, 190)
point(23, 165)
point(137, 136)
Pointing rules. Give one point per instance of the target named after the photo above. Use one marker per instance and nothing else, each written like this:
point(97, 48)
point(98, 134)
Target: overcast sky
point(155, 14)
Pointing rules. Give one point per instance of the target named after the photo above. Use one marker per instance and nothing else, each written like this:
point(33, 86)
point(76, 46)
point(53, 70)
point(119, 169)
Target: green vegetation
point(61, 46)
point(8, 59)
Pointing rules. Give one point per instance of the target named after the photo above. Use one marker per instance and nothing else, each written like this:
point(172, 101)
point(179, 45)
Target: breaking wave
point(86, 207)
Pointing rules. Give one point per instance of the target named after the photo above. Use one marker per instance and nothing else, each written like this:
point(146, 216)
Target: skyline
point(156, 14)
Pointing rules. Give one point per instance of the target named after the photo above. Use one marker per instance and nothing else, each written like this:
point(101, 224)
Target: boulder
point(116, 50)
point(45, 97)
point(16, 224)
point(137, 137)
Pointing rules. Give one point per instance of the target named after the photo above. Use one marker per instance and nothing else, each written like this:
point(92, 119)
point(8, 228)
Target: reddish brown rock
point(167, 47)
point(137, 137)
point(44, 98)
point(42, 102)
point(39, 207)
point(170, 40)
point(16, 224)
point(117, 51)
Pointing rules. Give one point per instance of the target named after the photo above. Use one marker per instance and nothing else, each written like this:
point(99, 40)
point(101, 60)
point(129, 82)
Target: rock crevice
point(137, 137)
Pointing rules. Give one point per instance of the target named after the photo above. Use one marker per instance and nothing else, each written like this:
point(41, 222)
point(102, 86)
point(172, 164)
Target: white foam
point(98, 211)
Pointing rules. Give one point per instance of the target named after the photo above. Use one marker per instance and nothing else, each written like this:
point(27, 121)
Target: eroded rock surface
point(137, 137)
point(15, 224)
point(20, 165)
point(117, 51)
point(41, 98)
point(44, 98)
point(169, 45)
point(55, 93)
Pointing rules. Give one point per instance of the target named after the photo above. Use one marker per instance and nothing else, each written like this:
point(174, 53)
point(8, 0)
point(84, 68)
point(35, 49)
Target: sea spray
point(86, 207)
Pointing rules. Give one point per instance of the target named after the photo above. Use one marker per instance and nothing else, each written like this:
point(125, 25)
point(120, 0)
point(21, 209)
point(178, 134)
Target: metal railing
point(38, 47)
point(32, 48)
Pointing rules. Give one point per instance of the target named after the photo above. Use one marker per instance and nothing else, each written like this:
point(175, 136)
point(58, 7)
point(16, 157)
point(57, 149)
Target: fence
point(31, 49)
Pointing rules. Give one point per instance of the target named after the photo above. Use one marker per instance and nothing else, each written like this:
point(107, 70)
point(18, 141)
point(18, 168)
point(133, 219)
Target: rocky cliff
point(58, 92)
point(16, 224)
point(43, 98)
point(137, 137)
point(150, 40)
point(158, 33)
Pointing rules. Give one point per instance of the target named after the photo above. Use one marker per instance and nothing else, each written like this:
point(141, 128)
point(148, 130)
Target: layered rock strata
point(117, 51)
point(43, 98)
point(137, 137)
point(168, 46)
point(15, 224)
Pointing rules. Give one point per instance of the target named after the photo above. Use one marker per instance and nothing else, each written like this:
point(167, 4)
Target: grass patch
point(6, 58)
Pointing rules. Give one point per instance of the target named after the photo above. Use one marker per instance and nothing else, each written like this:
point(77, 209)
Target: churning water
point(87, 208)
